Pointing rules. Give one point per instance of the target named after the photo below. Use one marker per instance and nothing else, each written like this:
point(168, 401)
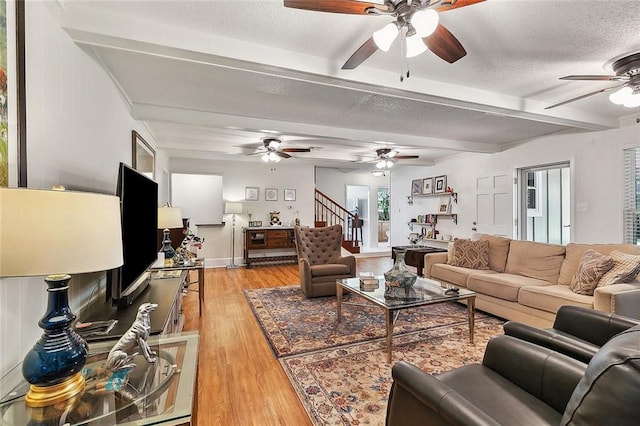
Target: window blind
point(631, 207)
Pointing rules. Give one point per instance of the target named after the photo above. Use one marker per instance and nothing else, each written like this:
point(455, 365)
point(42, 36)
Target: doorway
point(384, 216)
point(544, 207)
point(358, 203)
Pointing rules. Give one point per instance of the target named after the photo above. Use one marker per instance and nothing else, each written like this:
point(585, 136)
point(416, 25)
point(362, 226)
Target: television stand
point(165, 319)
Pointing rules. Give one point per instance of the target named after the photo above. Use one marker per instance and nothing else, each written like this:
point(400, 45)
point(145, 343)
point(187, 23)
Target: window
point(544, 206)
point(631, 206)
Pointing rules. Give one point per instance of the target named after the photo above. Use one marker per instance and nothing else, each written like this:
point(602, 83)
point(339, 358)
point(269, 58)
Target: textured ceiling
point(209, 77)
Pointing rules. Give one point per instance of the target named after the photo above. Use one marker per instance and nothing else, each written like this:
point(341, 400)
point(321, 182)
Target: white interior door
point(494, 204)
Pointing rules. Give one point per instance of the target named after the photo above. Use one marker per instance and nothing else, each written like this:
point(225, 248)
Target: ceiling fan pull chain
point(403, 56)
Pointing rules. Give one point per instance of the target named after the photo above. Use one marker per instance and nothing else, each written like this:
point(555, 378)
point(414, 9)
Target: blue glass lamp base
point(53, 365)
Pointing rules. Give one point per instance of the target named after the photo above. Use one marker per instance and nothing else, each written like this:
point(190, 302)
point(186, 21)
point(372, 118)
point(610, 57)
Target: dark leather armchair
point(577, 332)
point(320, 260)
point(520, 383)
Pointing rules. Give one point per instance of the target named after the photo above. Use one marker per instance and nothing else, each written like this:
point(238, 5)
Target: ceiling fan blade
point(595, 77)
point(449, 4)
point(282, 154)
point(335, 6)
point(367, 49)
point(295, 150)
point(584, 96)
point(405, 157)
point(445, 45)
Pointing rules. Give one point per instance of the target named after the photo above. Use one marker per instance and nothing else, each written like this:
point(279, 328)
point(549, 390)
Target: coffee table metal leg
point(339, 301)
point(389, 320)
point(471, 302)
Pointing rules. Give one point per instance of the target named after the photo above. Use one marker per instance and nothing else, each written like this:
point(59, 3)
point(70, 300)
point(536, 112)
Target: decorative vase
point(399, 275)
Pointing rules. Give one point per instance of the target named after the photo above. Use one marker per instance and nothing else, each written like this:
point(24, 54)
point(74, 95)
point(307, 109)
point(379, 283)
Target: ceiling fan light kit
point(270, 157)
point(626, 96)
point(384, 164)
point(415, 46)
point(384, 37)
point(425, 22)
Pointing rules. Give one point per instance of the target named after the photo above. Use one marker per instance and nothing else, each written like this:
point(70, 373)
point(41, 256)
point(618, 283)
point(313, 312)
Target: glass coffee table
point(424, 292)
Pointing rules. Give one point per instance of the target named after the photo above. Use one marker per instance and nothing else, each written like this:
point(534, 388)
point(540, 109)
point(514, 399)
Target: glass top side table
point(151, 393)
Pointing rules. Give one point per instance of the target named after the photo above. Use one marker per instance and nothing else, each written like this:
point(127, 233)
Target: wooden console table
point(269, 239)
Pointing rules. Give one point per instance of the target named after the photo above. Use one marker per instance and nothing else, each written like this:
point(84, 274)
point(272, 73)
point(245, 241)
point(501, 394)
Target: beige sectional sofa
point(528, 281)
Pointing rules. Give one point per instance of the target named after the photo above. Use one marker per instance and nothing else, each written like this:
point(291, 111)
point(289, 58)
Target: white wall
point(78, 130)
point(596, 180)
point(236, 175)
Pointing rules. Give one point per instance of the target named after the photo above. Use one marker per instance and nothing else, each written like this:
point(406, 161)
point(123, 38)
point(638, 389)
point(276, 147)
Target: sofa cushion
point(625, 269)
point(592, 266)
point(550, 298)
point(498, 251)
point(455, 274)
point(470, 254)
point(535, 260)
point(574, 253)
point(503, 286)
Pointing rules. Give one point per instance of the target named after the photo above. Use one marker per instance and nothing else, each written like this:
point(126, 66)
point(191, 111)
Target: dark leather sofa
point(520, 383)
point(577, 332)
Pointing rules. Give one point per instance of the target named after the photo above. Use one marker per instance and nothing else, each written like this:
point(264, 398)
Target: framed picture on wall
point(271, 194)
point(416, 187)
point(143, 158)
point(289, 194)
point(251, 193)
point(427, 186)
point(440, 185)
point(13, 137)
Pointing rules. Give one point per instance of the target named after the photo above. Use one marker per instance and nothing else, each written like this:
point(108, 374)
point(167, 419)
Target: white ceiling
point(210, 78)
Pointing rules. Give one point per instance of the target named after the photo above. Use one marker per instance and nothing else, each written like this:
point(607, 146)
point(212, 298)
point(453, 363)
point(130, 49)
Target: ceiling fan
point(627, 71)
point(274, 152)
point(415, 20)
point(386, 158)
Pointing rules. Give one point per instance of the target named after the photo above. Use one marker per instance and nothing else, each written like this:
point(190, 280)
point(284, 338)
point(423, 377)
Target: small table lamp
point(56, 233)
point(168, 217)
point(234, 209)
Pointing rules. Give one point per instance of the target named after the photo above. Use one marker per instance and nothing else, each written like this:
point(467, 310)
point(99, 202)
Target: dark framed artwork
point(143, 157)
point(440, 184)
point(13, 139)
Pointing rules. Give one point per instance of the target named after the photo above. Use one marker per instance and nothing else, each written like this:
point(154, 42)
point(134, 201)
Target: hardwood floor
point(240, 382)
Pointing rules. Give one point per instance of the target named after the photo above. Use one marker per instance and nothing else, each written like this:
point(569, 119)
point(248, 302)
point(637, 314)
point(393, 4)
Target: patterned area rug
point(339, 371)
point(349, 385)
point(294, 325)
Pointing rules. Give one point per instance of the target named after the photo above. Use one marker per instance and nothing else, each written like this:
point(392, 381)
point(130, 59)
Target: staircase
point(328, 213)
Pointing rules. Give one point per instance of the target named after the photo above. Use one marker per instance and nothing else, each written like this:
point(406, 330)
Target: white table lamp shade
point(169, 217)
point(233, 208)
point(46, 232)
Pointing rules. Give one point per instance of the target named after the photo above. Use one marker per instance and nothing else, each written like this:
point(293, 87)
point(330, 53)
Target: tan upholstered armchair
point(320, 260)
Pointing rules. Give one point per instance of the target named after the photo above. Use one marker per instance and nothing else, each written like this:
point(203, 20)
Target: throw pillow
point(591, 268)
point(470, 254)
point(625, 269)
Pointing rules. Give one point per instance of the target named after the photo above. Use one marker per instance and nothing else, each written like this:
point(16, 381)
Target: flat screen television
point(139, 213)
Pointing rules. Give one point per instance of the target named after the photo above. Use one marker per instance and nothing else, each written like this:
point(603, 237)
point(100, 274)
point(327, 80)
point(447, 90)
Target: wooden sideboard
point(269, 245)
